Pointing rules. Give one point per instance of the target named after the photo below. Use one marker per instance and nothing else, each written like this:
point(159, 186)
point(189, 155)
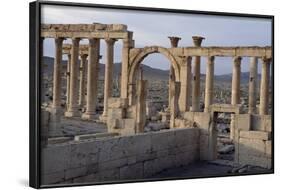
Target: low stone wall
point(207, 135)
point(255, 148)
point(119, 158)
point(253, 140)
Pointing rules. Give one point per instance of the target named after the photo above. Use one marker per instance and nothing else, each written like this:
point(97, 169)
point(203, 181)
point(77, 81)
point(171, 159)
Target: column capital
point(126, 43)
point(211, 59)
point(110, 41)
point(93, 40)
point(237, 60)
point(197, 40)
point(266, 60)
point(83, 56)
point(174, 40)
point(58, 40)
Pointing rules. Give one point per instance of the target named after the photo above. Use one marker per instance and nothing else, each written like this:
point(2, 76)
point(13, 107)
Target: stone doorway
point(224, 144)
point(222, 130)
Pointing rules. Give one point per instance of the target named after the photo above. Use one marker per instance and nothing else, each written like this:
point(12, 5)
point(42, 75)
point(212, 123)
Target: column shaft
point(57, 75)
point(235, 92)
point(72, 109)
point(124, 68)
point(174, 43)
point(68, 80)
point(82, 86)
point(209, 88)
point(185, 84)
point(92, 79)
point(196, 85)
point(197, 41)
point(264, 87)
point(253, 84)
point(108, 79)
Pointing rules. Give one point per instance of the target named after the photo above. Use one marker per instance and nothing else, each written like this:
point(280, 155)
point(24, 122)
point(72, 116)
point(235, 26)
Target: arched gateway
point(138, 55)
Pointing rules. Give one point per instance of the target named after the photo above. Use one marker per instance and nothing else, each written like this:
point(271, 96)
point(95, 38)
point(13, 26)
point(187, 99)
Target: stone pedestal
point(264, 87)
point(72, 110)
point(92, 79)
point(209, 88)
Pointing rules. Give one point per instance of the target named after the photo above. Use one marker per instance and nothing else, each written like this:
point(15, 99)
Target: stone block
point(51, 178)
point(242, 121)
point(116, 113)
point(254, 147)
point(187, 136)
point(84, 153)
point(112, 164)
point(75, 172)
point(162, 139)
point(117, 102)
point(55, 158)
point(109, 175)
point(128, 127)
point(262, 135)
point(134, 171)
point(268, 149)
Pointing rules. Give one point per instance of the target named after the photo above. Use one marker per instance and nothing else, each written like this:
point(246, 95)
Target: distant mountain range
point(148, 72)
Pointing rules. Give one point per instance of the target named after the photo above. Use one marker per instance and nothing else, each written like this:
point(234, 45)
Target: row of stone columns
point(235, 90)
point(75, 89)
point(186, 75)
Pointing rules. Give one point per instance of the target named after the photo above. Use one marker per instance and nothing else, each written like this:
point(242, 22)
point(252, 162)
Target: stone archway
point(150, 50)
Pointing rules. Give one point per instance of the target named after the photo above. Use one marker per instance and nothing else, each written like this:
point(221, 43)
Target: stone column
point(209, 84)
point(72, 110)
point(108, 79)
point(125, 64)
point(264, 87)
point(92, 78)
point(68, 79)
point(185, 72)
point(174, 43)
point(174, 109)
point(197, 40)
point(253, 84)
point(56, 106)
point(235, 92)
point(82, 86)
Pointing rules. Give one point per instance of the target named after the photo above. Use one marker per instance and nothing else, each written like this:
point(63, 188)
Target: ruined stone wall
point(119, 158)
point(207, 135)
point(253, 140)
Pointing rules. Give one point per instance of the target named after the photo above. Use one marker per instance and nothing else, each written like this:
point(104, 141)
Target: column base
point(89, 116)
point(55, 110)
point(72, 114)
point(103, 118)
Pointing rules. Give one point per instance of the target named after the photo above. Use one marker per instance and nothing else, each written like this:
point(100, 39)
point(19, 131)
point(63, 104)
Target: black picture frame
point(34, 82)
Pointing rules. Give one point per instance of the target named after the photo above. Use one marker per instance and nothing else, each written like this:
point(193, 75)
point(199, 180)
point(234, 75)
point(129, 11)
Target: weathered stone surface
point(117, 102)
point(262, 135)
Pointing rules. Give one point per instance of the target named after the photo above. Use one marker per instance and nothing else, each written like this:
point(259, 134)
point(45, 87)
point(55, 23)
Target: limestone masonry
point(124, 150)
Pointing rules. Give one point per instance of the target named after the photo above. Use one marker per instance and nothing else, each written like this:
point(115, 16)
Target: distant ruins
point(125, 116)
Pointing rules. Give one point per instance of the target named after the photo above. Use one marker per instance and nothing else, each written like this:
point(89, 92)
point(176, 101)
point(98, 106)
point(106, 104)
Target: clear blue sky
point(153, 29)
